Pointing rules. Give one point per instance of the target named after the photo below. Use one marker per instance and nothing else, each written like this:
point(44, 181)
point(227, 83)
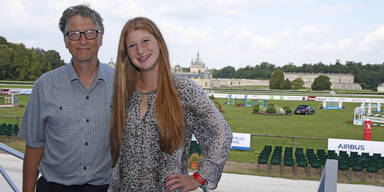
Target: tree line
point(23, 64)
point(20, 63)
point(369, 76)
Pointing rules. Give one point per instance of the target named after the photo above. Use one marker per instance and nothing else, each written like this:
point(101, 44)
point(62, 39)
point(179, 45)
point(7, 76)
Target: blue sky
point(225, 32)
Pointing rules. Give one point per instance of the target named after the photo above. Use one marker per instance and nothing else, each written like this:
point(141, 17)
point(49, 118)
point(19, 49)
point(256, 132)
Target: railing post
point(11, 151)
point(8, 179)
point(15, 153)
point(328, 181)
point(17, 120)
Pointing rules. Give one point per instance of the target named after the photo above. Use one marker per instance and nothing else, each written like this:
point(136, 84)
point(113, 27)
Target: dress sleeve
point(212, 132)
point(33, 126)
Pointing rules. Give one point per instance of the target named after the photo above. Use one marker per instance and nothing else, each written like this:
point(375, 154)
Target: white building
point(380, 88)
point(338, 80)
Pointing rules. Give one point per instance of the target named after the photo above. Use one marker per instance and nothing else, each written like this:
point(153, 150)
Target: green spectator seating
point(194, 148)
point(9, 130)
point(2, 129)
point(15, 129)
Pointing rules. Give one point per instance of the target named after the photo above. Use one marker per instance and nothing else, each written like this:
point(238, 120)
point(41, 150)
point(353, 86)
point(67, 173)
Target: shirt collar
point(73, 75)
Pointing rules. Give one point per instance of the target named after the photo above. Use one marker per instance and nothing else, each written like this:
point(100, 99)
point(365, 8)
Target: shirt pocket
point(63, 116)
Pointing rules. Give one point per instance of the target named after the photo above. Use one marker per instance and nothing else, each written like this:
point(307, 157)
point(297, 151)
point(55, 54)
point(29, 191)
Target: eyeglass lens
point(76, 35)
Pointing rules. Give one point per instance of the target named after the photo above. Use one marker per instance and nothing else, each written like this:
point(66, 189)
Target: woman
point(154, 115)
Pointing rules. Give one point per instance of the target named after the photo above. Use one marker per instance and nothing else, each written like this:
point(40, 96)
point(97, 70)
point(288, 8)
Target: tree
point(5, 61)
point(321, 83)
point(20, 63)
point(51, 60)
point(277, 79)
point(226, 72)
point(245, 73)
point(297, 83)
point(3, 40)
point(286, 84)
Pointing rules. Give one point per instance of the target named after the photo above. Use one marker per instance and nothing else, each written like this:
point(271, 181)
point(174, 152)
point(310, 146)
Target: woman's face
point(143, 50)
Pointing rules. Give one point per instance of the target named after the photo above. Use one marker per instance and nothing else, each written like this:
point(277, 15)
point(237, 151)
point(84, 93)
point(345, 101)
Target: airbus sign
point(359, 146)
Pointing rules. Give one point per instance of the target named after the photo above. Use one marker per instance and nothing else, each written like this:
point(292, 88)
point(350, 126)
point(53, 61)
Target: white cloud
point(372, 40)
point(297, 1)
point(12, 9)
point(185, 36)
point(12, 13)
point(345, 43)
point(332, 9)
point(247, 39)
point(313, 31)
point(339, 46)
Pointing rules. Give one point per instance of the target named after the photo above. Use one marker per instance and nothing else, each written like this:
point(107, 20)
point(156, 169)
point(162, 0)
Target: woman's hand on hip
point(186, 182)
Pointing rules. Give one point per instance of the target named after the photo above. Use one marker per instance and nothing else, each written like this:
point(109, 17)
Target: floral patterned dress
point(142, 166)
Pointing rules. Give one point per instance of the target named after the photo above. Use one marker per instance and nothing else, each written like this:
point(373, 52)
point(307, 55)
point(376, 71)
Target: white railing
point(15, 153)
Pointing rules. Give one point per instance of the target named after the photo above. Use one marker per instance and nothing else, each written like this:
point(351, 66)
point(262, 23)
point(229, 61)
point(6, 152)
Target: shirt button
point(85, 168)
point(86, 143)
point(87, 97)
point(87, 120)
point(60, 107)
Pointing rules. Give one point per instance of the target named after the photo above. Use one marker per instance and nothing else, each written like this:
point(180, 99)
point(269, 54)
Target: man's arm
point(32, 159)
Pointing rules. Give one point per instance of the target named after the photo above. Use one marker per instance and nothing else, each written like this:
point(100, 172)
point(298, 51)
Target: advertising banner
point(359, 146)
point(241, 141)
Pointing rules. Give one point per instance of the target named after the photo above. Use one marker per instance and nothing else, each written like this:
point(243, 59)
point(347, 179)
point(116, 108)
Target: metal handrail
point(3, 172)
point(328, 181)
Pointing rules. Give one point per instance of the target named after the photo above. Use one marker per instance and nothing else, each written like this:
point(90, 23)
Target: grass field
point(11, 113)
point(14, 112)
point(17, 86)
point(324, 124)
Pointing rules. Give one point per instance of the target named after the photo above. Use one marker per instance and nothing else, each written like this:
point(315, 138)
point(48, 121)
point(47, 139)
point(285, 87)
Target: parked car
point(305, 110)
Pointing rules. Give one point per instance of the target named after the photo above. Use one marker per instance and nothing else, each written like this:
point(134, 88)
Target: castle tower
point(197, 66)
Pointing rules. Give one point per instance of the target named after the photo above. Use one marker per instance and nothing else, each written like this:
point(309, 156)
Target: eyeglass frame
point(66, 34)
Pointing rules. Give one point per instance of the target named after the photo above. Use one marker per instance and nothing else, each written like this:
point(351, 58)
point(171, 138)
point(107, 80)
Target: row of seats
point(9, 129)
point(354, 161)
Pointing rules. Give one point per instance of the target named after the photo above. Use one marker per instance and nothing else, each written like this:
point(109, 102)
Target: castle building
point(380, 88)
point(197, 66)
point(338, 80)
point(197, 72)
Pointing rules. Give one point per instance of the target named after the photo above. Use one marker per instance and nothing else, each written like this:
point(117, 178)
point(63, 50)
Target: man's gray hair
point(84, 11)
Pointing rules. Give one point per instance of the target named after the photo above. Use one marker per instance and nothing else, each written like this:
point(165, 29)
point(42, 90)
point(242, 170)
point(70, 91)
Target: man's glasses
point(76, 35)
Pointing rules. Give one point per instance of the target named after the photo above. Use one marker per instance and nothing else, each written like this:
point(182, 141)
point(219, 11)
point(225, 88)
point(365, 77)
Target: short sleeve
point(33, 126)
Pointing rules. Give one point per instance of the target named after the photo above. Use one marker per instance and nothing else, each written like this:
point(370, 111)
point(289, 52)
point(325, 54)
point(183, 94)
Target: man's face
point(82, 50)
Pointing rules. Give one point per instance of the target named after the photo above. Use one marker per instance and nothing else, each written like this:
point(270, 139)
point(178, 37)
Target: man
point(66, 123)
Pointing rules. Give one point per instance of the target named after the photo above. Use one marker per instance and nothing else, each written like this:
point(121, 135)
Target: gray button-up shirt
point(72, 123)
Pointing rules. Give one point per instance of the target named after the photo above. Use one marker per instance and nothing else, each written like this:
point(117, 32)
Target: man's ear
point(66, 42)
point(100, 40)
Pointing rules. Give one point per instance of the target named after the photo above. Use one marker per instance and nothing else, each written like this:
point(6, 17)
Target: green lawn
point(17, 86)
point(14, 112)
point(14, 142)
point(324, 124)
